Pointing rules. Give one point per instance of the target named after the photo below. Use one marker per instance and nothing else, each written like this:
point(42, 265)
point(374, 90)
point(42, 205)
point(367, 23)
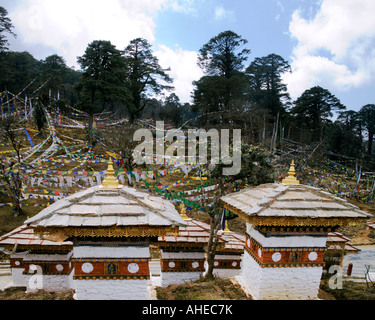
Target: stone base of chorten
point(35, 282)
point(111, 289)
point(279, 283)
point(169, 278)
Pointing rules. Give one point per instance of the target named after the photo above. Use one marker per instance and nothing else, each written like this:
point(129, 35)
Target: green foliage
point(52, 69)
point(345, 135)
point(172, 110)
point(256, 168)
point(19, 69)
point(143, 76)
point(222, 60)
point(6, 26)
point(314, 108)
point(266, 87)
point(222, 55)
point(102, 83)
point(218, 94)
point(132, 83)
point(39, 116)
point(367, 116)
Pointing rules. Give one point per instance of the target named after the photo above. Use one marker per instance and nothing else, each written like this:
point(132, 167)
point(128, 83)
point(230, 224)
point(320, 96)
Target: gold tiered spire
point(291, 179)
point(110, 182)
point(183, 212)
point(226, 226)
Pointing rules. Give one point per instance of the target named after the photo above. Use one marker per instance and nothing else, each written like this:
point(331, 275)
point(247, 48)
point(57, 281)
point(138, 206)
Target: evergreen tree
point(103, 79)
point(345, 134)
point(223, 55)
point(6, 26)
point(222, 60)
point(172, 110)
point(367, 116)
point(314, 108)
point(144, 76)
point(53, 69)
point(266, 88)
point(19, 69)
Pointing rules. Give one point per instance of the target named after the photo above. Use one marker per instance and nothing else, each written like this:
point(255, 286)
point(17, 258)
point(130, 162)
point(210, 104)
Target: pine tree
point(144, 76)
point(103, 80)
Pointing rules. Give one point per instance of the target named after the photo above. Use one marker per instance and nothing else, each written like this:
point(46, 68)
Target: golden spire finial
point(226, 226)
point(110, 182)
point(183, 212)
point(291, 179)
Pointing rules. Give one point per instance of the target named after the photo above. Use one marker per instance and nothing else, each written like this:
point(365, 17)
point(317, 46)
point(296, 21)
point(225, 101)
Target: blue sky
point(330, 43)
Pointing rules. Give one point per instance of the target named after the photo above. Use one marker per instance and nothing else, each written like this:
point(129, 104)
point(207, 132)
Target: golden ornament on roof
point(110, 182)
point(226, 226)
point(291, 179)
point(183, 212)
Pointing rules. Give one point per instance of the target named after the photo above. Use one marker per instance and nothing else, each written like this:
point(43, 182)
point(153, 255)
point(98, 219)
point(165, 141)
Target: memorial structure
point(287, 225)
point(111, 227)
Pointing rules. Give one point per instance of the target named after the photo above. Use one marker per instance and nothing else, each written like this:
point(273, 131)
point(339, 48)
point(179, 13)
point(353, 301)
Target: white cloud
point(184, 6)
point(309, 70)
point(69, 26)
point(335, 48)
point(281, 9)
point(222, 14)
point(184, 69)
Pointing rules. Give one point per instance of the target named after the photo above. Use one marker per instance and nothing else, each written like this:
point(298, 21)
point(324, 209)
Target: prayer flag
point(29, 138)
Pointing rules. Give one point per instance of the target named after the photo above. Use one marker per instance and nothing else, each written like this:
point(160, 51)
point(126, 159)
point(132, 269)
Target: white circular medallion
point(276, 257)
point(171, 264)
point(234, 264)
point(59, 267)
point(313, 256)
point(195, 265)
point(216, 263)
point(17, 263)
point(133, 267)
point(87, 267)
point(259, 253)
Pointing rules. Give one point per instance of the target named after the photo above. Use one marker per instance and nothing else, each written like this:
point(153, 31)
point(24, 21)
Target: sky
point(330, 43)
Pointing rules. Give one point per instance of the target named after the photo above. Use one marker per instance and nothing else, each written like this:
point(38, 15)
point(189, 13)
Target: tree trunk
point(370, 140)
point(212, 244)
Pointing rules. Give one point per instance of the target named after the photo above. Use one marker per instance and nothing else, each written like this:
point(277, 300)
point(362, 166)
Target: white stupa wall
point(272, 281)
point(111, 289)
point(279, 283)
point(131, 282)
point(286, 241)
point(169, 278)
point(87, 251)
point(27, 271)
point(232, 265)
point(226, 273)
point(172, 273)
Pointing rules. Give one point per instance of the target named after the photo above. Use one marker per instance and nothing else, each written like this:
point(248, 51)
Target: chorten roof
point(25, 239)
point(197, 232)
point(292, 204)
point(109, 210)
point(337, 241)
